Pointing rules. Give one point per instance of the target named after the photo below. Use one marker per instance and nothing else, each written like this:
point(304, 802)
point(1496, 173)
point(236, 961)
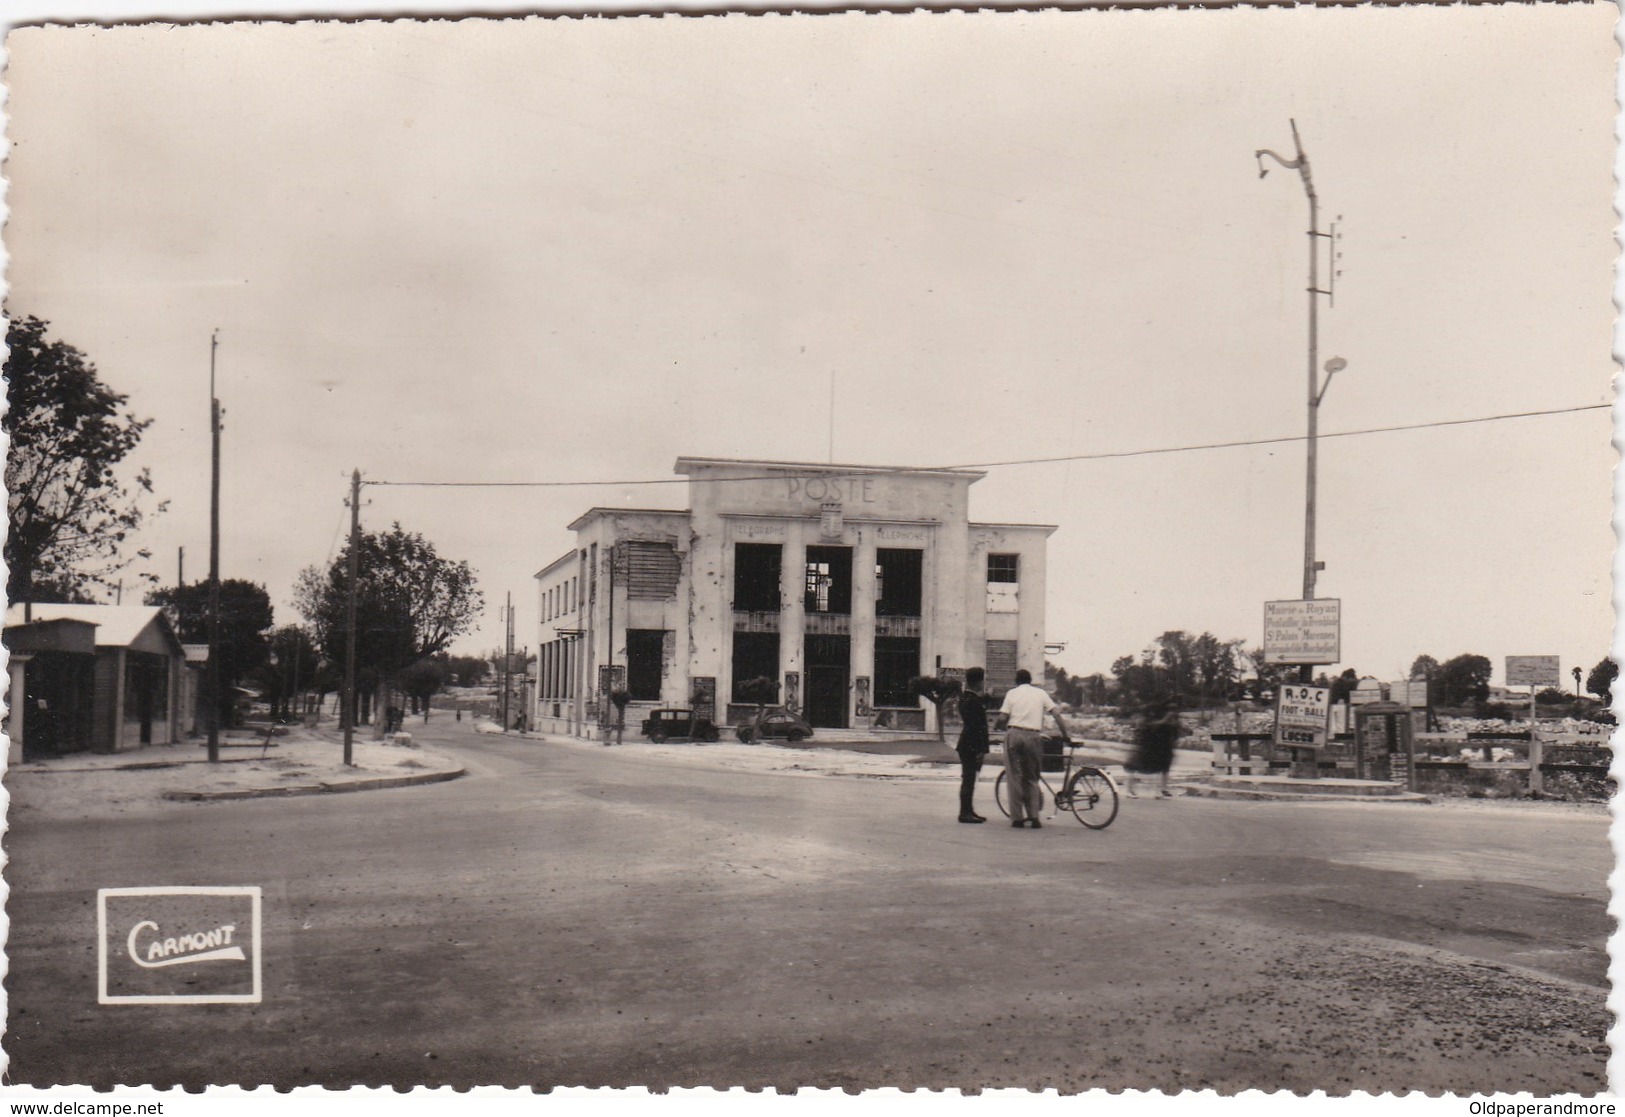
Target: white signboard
point(1533, 670)
point(1301, 716)
point(1366, 692)
point(1411, 692)
point(1303, 631)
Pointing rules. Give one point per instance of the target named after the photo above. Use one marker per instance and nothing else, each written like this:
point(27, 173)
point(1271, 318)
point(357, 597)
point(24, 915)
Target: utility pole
point(351, 566)
point(507, 658)
point(1317, 391)
point(212, 672)
point(180, 567)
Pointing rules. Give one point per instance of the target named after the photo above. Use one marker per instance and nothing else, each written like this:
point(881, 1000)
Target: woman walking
point(1154, 740)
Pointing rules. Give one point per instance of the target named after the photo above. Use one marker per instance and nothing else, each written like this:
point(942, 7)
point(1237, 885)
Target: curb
point(1210, 792)
point(315, 789)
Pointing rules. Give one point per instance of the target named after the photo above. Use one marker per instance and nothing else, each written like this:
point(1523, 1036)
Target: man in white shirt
point(1024, 708)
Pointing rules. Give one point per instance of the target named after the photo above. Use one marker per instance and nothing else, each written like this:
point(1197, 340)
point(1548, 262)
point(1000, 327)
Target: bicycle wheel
point(998, 796)
point(1093, 798)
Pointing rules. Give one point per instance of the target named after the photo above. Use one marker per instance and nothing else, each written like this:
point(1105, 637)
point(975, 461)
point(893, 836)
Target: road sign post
point(1301, 717)
point(1301, 632)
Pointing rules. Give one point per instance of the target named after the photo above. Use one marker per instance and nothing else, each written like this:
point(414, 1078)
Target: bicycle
point(1087, 791)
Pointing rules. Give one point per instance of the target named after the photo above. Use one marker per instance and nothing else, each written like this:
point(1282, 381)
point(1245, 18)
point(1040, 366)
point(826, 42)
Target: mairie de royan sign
point(1303, 632)
point(178, 945)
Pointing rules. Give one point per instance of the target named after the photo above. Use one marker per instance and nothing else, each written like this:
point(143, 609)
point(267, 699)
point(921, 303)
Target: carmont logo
point(183, 944)
point(198, 946)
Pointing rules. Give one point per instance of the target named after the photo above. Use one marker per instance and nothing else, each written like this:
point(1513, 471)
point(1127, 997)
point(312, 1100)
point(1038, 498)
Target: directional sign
point(1303, 631)
point(1533, 670)
point(1301, 716)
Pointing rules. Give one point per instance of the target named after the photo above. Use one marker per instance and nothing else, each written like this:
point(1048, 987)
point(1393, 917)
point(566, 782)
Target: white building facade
point(839, 583)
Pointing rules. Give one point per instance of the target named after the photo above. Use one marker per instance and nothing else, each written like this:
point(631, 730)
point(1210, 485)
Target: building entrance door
point(829, 665)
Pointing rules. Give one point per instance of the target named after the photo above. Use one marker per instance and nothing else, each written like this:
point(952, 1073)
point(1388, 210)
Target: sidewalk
point(303, 762)
point(917, 758)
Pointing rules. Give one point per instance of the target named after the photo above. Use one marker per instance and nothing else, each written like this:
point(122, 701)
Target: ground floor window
point(645, 649)
point(756, 655)
point(897, 660)
point(1001, 665)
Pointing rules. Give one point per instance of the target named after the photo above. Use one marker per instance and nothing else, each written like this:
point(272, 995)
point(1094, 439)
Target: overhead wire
point(1096, 456)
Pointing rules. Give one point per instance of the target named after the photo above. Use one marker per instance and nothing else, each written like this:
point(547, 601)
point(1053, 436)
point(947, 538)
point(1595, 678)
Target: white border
point(250, 890)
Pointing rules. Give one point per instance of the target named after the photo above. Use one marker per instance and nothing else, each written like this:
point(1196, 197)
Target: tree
point(423, 680)
point(245, 618)
point(1601, 680)
point(936, 691)
point(468, 670)
point(1266, 677)
point(1423, 666)
point(68, 513)
point(292, 668)
point(1344, 685)
point(1463, 680)
point(410, 603)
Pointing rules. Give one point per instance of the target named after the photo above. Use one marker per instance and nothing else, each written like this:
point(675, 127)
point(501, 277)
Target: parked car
point(776, 721)
point(664, 725)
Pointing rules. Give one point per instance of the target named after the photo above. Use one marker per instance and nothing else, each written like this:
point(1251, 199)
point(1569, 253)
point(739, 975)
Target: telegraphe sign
point(1301, 716)
point(1533, 670)
point(1303, 632)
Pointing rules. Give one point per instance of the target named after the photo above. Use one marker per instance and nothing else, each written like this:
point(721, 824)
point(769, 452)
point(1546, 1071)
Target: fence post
point(1536, 748)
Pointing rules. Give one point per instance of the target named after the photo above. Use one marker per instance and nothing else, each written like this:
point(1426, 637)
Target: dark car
point(664, 725)
point(775, 722)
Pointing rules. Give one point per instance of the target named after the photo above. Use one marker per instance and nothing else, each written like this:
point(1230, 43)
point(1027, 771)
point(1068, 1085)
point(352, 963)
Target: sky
point(572, 250)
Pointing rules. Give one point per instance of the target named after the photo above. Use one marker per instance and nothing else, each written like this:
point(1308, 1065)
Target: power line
point(903, 469)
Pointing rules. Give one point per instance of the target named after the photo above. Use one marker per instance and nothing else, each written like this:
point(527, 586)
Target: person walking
point(1154, 741)
point(972, 741)
point(1023, 712)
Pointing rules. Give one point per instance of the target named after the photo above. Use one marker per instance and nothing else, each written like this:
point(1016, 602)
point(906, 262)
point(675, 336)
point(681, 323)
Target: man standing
point(1024, 708)
point(972, 741)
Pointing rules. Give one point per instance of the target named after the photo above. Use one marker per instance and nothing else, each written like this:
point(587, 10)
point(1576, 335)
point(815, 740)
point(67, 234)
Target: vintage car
point(776, 721)
point(665, 725)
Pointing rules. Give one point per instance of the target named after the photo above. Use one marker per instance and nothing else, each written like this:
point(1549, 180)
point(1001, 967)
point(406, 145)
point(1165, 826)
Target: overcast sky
point(572, 250)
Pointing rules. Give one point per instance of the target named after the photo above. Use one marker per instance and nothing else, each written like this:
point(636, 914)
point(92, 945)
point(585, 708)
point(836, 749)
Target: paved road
point(573, 915)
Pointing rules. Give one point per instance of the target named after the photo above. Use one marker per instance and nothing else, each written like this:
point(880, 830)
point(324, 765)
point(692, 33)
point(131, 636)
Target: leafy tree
point(245, 618)
point(410, 603)
point(1423, 666)
point(1266, 678)
point(467, 670)
point(423, 680)
point(1463, 680)
point(1067, 689)
point(1601, 680)
point(68, 513)
point(291, 669)
point(1344, 685)
point(936, 691)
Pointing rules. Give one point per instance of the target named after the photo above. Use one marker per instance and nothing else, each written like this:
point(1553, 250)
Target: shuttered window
point(651, 571)
point(1001, 665)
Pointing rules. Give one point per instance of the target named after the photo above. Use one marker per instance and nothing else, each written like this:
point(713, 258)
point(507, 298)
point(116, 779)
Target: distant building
point(838, 582)
point(100, 677)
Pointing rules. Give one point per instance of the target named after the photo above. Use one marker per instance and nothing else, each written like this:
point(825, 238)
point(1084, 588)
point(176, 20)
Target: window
point(829, 580)
point(1002, 568)
point(756, 577)
point(652, 571)
point(756, 655)
point(897, 660)
point(645, 649)
point(897, 582)
point(1001, 665)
